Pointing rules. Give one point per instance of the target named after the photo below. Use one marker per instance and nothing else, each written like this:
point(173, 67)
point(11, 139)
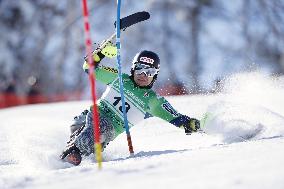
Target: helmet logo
point(146, 60)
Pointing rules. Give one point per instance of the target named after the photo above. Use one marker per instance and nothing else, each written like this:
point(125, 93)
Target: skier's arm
point(103, 73)
point(161, 108)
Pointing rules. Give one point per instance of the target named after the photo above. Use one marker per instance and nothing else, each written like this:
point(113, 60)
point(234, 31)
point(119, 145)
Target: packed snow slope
point(243, 146)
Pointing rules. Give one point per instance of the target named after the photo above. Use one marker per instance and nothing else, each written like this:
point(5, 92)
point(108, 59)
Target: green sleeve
point(160, 107)
point(103, 74)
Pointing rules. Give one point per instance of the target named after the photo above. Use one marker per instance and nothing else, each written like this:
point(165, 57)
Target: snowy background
point(199, 41)
point(242, 147)
point(227, 54)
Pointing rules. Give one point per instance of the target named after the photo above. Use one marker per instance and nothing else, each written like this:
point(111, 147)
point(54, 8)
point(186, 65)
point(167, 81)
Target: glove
point(189, 124)
point(192, 125)
point(109, 50)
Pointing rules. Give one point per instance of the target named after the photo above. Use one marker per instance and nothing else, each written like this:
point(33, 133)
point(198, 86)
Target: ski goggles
point(146, 69)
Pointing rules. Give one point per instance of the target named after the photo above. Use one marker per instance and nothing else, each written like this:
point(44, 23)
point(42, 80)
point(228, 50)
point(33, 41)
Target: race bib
point(113, 99)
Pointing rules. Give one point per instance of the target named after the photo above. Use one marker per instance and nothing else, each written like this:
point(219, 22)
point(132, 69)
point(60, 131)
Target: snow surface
point(242, 148)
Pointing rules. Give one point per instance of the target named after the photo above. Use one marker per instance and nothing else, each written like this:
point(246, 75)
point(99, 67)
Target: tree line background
point(199, 42)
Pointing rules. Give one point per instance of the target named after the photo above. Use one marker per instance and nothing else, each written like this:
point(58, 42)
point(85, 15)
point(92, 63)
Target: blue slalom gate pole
point(129, 141)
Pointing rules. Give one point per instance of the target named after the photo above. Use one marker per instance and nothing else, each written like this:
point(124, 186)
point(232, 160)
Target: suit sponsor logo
point(134, 97)
point(109, 69)
point(130, 95)
point(146, 94)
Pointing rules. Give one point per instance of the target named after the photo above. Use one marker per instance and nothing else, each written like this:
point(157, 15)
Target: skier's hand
point(189, 124)
point(192, 125)
point(109, 50)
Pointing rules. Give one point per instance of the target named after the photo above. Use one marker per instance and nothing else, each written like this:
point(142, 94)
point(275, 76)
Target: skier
point(141, 102)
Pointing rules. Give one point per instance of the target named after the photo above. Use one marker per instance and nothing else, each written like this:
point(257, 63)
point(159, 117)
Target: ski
point(125, 23)
point(133, 19)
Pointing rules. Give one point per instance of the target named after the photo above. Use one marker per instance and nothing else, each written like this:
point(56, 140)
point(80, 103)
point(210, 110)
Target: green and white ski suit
point(140, 103)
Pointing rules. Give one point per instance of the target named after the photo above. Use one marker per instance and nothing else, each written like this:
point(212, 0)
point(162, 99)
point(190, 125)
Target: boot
point(72, 155)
